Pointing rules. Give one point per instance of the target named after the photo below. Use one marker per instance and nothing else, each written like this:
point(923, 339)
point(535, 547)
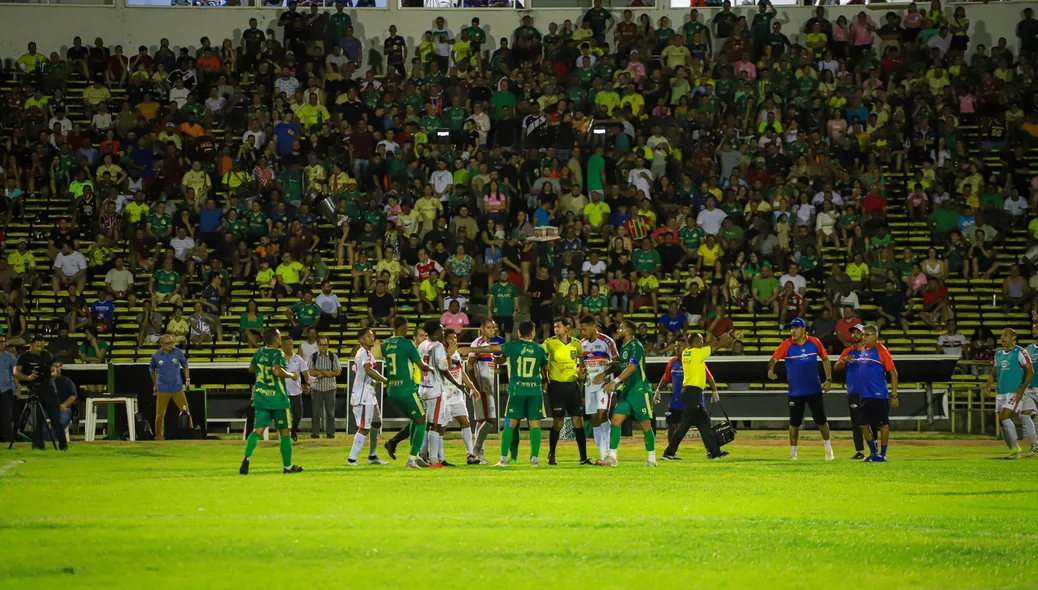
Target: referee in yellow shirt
point(565, 366)
point(693, 363)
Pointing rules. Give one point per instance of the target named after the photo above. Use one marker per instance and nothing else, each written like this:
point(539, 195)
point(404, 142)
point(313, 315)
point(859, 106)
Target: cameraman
point(36, 370)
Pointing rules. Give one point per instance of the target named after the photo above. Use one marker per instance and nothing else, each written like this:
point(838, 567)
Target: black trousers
point(854, 405)
point(297, 411)
point(694, 414)
point(52, 407)
point(6, 416)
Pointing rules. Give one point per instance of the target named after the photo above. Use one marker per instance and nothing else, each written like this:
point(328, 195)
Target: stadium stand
point(884, 170)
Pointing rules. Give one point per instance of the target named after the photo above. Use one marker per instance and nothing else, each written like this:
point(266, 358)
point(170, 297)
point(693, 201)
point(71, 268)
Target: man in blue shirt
point(7, 387)
point(169, 376)
point(102, 311)
point(854, 387)
point(674, 319)
point(1014, 372)
point(801, 353)
point(285, 133)
point(874, 364)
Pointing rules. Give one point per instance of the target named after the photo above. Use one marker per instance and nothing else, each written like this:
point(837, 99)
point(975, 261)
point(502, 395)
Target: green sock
point(650, 440)
point(506, 440)
point(614, 437)
point(286, 450)
point(251, 443)
point(417, 438)
point(535, 442)
point(514, 447)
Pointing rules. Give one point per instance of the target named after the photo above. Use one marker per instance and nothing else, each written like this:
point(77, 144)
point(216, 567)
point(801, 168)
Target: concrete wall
point(53, 27)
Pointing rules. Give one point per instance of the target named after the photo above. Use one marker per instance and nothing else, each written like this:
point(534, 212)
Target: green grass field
point(942, 514)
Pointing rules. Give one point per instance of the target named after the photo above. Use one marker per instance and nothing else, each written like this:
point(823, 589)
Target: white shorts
point(595, 399)
point(366, 415)
point(1027, 404)
point(456, 406)
point(485, 408)
point(436, 411)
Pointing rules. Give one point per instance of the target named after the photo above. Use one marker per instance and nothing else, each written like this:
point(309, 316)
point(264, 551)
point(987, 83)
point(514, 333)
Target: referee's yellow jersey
point(693, 363)
point(563, 358)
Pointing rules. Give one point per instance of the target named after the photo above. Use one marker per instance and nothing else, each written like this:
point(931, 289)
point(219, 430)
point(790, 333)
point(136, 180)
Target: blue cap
point(798, 323)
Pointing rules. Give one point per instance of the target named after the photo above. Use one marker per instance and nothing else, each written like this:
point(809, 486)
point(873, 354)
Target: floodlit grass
point(941, 514)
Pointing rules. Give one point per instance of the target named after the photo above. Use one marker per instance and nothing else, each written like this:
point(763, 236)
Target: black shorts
point(674, 416)
point(854, 404)
point(813, 401)
point(566, 399)
point(504, 325)
point(875, 412)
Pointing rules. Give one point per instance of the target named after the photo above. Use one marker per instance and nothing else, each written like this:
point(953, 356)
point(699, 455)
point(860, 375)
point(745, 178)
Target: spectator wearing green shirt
point(943, 221)
point(303, 314)
point(731, 236)
point(160, 225)
point(765, 291)
point(596, 165)
point(600, 19)
point(501, 303)
point(647, 260)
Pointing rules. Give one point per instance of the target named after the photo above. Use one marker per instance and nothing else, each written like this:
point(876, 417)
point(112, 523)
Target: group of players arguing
point(426, 378)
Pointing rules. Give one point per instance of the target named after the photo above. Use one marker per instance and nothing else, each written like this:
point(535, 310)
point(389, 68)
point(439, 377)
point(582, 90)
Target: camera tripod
point(33, 407)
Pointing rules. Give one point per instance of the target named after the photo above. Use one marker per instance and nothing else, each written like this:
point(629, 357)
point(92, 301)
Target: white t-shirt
point(596, 269)
point(434, 355)
point(104, 120)
point(181, 247)
point(257, 138)
point(296, 365)
point(120, 280)
point(71, 264)
point(641, 178)
point(952, 345)
point(363, 391)
point(179, 95)
point(328, 303)
point(462, 302)
point(711, 221)
point(799, 282)
point(1017, 207)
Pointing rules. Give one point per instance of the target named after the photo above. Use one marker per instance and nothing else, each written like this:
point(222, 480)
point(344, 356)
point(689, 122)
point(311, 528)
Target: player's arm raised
point(725, 340)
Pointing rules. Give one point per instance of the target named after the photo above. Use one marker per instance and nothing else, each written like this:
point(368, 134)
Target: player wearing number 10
point(270, 400)
point(401, 355)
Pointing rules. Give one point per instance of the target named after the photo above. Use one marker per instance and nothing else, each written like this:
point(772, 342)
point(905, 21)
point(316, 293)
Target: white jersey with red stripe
point(363, 391)
point(599, 353)
point(434, 355)
point(485, 363)
point(454, 367)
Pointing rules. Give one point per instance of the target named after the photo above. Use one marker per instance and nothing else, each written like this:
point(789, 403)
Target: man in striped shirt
point(362, 398)
point(324, 368)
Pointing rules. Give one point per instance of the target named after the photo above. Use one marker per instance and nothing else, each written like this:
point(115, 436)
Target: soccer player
point(401, 355)
point(403, 433)
point(434, 355)
point(801, 353)
point(854, 388)
point(363, 400)
point(457, 406)
point(1014, 373)
point(482, 368)
point(634, 395)
point(169, 376)
point(565, 365)
point(874, 365)
point(599, 352)
point(270, 400)
point(694, 380)
point(295, 387)
point(527, 374)
point(1029, 405)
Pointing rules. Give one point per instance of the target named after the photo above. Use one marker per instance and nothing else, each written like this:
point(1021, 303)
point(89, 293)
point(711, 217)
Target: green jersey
point(525, 360)
point(159, 223)
point(456, 117)
point(400, 355)
point(633, 353)
point(166, 281)
point(269, 391)
point(306, 314)
point(691, 237)
point(596, 305)
point(1012, 368)
point(504, 300)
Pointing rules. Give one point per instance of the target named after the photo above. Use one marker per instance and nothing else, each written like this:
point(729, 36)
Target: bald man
point(169, 377)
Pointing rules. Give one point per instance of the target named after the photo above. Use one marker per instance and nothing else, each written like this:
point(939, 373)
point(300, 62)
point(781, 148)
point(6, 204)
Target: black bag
point(724, 432)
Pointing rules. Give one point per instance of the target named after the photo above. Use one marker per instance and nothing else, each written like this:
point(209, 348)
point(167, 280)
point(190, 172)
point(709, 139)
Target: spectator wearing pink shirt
point(745, 66)
point(861, 35)
point(967, 106)
point(636, 67)
point(454, 318)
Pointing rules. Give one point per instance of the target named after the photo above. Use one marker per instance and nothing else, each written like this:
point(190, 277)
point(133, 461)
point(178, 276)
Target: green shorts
point(408, 400)
point(282, 419)
point(530, 407)
point(636, 403)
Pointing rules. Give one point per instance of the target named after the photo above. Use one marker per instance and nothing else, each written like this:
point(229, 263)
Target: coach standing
point(693, 364)
point(170, 376)
point(295, 387)
point(565, 364)
point(324, 365)
point(855, 387)
point(801, 353)
point(876, 399)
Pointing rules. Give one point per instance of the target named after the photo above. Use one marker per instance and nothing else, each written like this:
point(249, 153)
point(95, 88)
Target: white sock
point(432, 445)
point(828, 444)
point(793, 450)
point(466, 436)
point(373, 442)
point(439, 440)
point(1009, 431)
point(652, 456)
point(1028, 423)
point(358, 444)
point(612, 453)
point(603, 439)
point(482, 431)
point(425, 443)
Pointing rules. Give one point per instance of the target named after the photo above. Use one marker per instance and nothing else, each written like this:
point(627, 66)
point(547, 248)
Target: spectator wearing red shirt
point(845, 324)
point(720, 325)
point(874, 205)
point(791, 304)
point(936, 304)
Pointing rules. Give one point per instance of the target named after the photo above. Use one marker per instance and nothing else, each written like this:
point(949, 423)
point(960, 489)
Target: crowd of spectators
point(755, 166)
